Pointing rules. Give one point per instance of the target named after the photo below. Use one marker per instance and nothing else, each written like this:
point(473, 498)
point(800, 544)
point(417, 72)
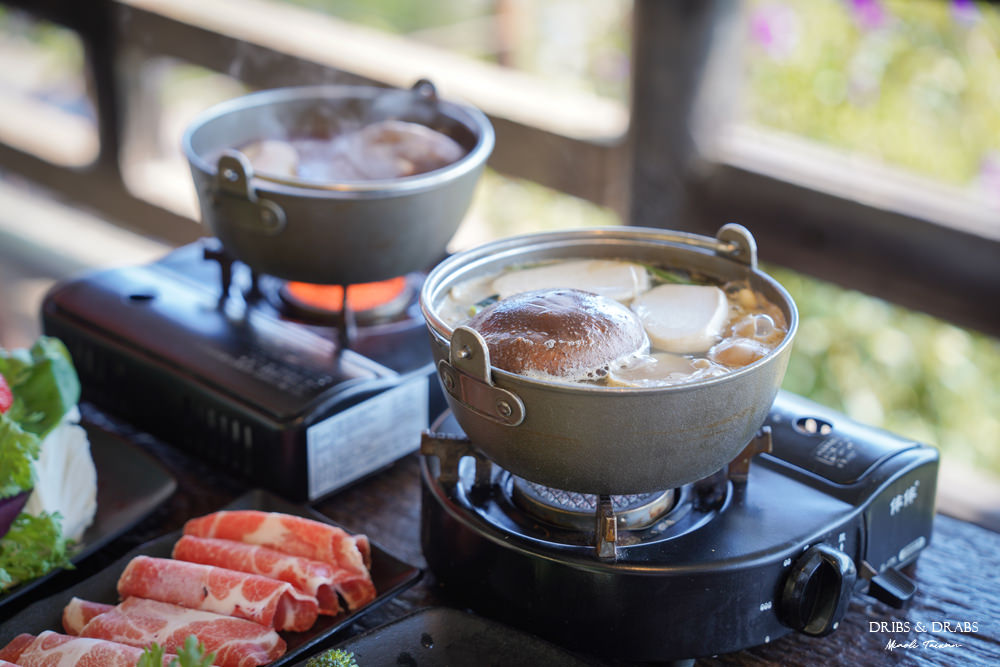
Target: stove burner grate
point(576, 511)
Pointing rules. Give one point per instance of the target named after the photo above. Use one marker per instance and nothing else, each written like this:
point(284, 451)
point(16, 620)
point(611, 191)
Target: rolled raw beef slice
point(251, 596)
point(77, 613)
point(236, 642)
point(365, 547)
point(285, 532)
point(13, 649)
point(51, 649)
point(297, 536)
point(312, 577)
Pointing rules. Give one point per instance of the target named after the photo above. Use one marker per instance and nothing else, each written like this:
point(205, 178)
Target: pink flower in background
point(870, 14)
point(964, 11)
point(776, 29)
point(989, 177)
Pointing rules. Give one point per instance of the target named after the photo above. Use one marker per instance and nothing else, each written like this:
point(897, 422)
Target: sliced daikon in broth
point(622, 281)
point(684, 319)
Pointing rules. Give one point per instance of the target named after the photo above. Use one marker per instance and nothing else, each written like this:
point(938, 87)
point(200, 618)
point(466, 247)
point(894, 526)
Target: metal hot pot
point(332, 233)
point(596, 439)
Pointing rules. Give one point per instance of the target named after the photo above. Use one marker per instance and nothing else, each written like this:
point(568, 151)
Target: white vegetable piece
point(738, 352)
point(622, 281)
point(684, 319)
point(663, 368)
point(271, 156)
point(66, 479)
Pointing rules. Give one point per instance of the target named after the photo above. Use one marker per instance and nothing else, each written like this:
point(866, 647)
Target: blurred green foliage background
point(911, 82)
point(915, 83)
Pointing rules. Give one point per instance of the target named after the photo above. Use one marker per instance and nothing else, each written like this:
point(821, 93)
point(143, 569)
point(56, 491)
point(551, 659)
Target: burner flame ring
point(576, 511)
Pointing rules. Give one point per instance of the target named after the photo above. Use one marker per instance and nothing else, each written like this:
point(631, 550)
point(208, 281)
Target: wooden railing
point(675, 158)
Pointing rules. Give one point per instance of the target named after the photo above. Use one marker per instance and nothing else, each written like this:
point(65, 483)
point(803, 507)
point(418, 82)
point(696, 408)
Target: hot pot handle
point(732, 241)
point(234, 201)
point(466, 376)
point(737, 242)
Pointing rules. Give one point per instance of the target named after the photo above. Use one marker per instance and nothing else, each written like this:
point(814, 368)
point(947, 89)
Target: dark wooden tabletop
point(958, 574)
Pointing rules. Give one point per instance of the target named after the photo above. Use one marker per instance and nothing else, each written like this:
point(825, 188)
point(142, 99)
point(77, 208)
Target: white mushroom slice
point(684, 319)
point(651, 370)
point(738, 352)
point(621, 281)
point(662, 369)
point(270, 156)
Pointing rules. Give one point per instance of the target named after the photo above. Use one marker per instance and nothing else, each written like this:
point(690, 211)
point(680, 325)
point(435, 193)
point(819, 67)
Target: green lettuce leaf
point(44, 383)
point(33, 546)
point(18, 451)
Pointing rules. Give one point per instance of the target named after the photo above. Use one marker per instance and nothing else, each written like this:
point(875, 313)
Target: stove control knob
point(817, 590)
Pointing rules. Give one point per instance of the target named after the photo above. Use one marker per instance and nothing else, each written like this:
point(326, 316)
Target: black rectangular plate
point(439, 637)
point(130, 485)
point(390, 575)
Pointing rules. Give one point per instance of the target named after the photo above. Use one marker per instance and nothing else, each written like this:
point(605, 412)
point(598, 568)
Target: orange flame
point(360, 297)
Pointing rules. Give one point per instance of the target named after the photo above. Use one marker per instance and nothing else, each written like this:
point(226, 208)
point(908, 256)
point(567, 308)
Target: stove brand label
point(904, 499)
point(365, 437)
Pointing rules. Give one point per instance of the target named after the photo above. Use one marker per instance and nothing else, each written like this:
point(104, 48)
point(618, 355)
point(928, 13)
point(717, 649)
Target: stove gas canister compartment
point(893, 480)
point(366, 437)
point(829, 445)
point(845, 459)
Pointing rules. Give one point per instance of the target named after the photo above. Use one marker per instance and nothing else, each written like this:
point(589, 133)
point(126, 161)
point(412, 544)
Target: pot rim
point(475, 120)
point(592, 236)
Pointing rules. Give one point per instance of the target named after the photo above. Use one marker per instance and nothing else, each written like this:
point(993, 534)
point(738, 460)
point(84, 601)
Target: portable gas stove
point(247, 371)
point(828, 508)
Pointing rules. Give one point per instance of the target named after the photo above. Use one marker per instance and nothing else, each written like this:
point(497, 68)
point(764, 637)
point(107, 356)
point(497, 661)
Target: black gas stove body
point(226, 374)
point(836, 508)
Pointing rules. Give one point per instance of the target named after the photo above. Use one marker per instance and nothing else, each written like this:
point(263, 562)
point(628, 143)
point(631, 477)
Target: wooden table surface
point(958, 574)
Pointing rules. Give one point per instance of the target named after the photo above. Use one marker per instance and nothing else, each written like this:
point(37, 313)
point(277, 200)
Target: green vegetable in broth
point(669, 275)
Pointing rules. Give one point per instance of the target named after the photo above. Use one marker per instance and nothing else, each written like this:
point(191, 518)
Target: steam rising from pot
point(387, 138)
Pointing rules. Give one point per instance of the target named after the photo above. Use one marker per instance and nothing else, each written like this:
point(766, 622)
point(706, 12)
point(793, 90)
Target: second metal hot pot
point(339, 232)
point(596, 439)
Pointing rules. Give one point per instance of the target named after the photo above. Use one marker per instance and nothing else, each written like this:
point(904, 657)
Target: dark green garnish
point(338, 657)
point(669, 276)
point(479, 305)
point(192, 654)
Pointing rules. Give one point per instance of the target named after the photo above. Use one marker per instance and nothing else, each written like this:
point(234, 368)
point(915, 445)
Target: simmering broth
point(697, 328)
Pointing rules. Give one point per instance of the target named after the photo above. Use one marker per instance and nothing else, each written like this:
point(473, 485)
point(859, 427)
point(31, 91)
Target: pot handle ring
point(235, 202)
point(466, 377)
point(732, 241)
point(739, 244)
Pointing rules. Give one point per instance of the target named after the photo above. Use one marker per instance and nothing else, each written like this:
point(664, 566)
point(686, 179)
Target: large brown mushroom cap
point(564, 333)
